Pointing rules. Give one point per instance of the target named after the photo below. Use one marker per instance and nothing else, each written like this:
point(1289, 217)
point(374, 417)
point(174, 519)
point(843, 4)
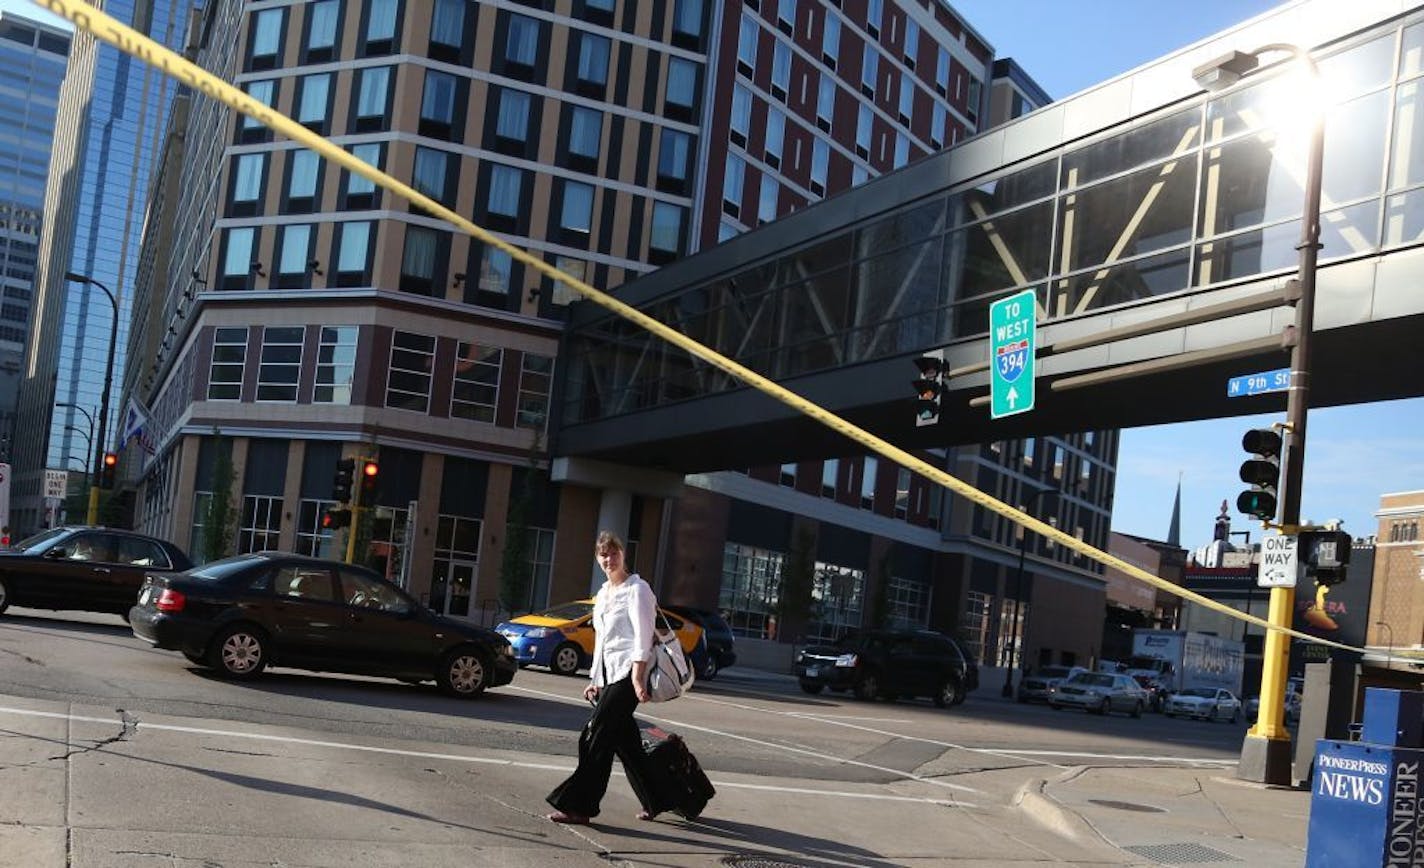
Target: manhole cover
point(1127, 806)
point(759, 862)
point(1180, 854)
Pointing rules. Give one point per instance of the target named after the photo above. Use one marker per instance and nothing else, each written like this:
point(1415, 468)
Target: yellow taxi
point(561, 638)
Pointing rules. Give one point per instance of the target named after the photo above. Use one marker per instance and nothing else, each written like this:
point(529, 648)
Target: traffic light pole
point(351, 533)
point(1266, 751)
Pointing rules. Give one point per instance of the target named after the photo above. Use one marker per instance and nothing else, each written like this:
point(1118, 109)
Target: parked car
point(239, 615)
point(721, 644)
point(561, 638)
point(891, 663)
point(1253, 707)
point(1038, 685)
point(1100, 693)
point(94, 569)
point(1206, 703)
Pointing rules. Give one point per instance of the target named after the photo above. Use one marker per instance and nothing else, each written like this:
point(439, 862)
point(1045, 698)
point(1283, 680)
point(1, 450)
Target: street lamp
point(87, 435)
point(1266, 751)
point(98, 446)
point(1018, 594)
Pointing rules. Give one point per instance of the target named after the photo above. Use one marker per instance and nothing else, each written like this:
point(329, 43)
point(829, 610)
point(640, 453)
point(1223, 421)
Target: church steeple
point(1174, 528)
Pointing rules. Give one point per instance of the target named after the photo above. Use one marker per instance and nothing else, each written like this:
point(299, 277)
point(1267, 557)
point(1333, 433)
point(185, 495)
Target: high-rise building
point(33, 57)
point(110, 123)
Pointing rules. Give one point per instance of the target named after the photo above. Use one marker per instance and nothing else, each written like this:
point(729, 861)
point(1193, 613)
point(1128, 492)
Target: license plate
point(813, 672)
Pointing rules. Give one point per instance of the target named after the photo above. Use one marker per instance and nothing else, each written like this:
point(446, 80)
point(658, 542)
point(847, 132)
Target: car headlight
point(541, 633)
point(846, 660)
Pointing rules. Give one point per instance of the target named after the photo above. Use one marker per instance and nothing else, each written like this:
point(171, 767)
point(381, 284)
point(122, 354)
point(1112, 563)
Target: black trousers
point(610, 731)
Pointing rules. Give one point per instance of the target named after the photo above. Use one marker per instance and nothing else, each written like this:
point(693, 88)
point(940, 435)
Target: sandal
point(571, 819)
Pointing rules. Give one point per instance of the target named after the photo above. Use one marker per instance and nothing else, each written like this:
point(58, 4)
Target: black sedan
point(238, 615)
point(93, 569)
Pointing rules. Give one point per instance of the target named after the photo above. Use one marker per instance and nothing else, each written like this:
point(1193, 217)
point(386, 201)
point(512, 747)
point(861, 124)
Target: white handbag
point(669, 672)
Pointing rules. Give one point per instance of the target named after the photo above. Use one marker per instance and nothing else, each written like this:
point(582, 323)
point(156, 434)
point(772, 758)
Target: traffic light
point(1326, 554)
point(335, 518)
point(341, 483)
point(929, 386)
point(1262, 471)
point(107, 472)
point(370, 475)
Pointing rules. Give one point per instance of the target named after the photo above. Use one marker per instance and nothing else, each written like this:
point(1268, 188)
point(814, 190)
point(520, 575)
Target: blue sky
point(32, 10)
point(1353, 454)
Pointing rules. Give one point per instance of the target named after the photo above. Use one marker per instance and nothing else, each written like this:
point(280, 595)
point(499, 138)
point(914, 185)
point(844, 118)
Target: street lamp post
point(1017, 645)
point(1266, 751)
point(98, 446)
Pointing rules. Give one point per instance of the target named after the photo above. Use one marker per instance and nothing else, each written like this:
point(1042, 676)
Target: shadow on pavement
point(751, 842)
point(52, 626)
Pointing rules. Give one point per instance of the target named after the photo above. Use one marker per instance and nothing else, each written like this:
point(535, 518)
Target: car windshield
point(1199, 691)
point(568, 611)
point(42, 540)
point(1091, 679)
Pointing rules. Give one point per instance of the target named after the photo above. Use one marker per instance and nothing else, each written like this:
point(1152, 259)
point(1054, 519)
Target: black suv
point(94, 569)
point(721, 651)
point(889, 664)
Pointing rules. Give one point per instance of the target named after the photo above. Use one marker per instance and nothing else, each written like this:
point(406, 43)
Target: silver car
point(1099, 693)
point(1205, 703)
point(1038, 685)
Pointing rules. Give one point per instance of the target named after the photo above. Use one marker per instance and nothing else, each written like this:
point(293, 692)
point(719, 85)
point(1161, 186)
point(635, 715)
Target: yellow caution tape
point(128, 40)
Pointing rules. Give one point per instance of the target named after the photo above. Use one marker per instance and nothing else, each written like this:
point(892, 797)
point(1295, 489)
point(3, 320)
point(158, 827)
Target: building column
point(615, 507)
point(422, 527)
point(292, 496)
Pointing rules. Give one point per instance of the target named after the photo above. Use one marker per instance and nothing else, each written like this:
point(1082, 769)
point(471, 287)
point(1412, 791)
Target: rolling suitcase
point(671, 778)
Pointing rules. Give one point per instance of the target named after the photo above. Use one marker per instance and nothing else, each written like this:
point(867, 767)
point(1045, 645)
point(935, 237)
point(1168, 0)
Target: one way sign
point(1279, 564)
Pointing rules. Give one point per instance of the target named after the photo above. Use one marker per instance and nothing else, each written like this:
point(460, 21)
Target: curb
point(1034, 801)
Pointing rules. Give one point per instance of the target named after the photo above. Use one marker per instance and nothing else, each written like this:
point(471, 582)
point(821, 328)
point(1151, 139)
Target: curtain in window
point(296, 243)
point(495, 270)
point(268, 36)
point(323, 24)
point(263, 92)
point(593, 59)
point(438, 103)
point(429, 175)
point(667, 226)
point(585, 130)
point(239, 251)
point(375, 81)
point(672, 154)
point(682, 82)
point(248, 186)
point(419, 258)
point(687, 17)
point(448, 24)
point(304, 170)
point(505, 185)
point(355, 237)
point(367, 153)
point(522, 44)
point(382, 23)
point(513, 122)
point(578, 206)
point(314, 96)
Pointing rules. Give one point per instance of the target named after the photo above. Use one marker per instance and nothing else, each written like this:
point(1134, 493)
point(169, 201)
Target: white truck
point(1175, 660)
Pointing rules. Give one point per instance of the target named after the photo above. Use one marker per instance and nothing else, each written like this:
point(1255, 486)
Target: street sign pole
point(1013, 326)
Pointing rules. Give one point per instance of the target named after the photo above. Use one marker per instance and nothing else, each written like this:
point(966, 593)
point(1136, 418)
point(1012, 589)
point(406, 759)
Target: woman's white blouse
point(623, 617)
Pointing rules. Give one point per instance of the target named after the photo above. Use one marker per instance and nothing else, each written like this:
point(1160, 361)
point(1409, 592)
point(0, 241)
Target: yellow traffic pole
point(1275, 662)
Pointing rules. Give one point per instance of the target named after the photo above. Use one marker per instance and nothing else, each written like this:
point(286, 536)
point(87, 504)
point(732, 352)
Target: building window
point(837, 600)
point(868, 70)
point(912, 42)
point(313, 540)
point(585, 132)
point(907, 604)
point(335, 365)
point(372, 93)
point(937, 126)
point(447, 25)
point(831, 40)
point(682, 83)
point(975, 624)
point(321, 31)
point(513, 120)
point(902, 150)
point(971, 106)
point(267, 34)
point(787, 475)
point(360, 185)
point(408, 383)
point(902, 493)
point(687, 18)
point(732, 186)
point(826, 101)
point(541, 562)
point(741, 114)
point(747, 45)
point(314, 101)
point(261, 523)
point(766, 206)
point(247, 185)
point(666, 235)
point(673, 152)
point(577, 213)
point(354, 247)
point(786, 15)
point(535, 374)
point(506, 186)
point(942, 73)
point(264, 92)
point(418, 259)
point(294, 241)
point(229, 357)
point(907, 99)
point(381, 26)
point(593, 59)
point(281, 363)
point(305, 168)
point(820, 166)
point(237, 263)
point(496, 271)
point(780, 69)
point(751, 590)
point(867, 482)
point(457, 558)
point(476, 392)
point(874, 13)
point(428, 174)
point(561, 294)
point(437, 104)
point(522, 45)
point(775, 136)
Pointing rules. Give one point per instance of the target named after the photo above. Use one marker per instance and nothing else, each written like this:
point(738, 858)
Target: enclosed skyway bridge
point(1136, 200)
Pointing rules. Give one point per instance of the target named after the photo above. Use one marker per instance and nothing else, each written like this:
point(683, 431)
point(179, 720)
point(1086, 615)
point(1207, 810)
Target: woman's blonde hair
point(607, 540)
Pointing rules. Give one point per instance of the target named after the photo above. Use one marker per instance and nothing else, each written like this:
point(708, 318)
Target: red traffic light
point(370, 468)
point(110, 459)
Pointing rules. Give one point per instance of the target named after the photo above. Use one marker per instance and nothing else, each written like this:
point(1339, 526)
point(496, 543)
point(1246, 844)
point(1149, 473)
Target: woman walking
point(623, 616)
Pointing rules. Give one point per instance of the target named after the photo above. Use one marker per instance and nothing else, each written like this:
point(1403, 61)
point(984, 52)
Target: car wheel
point(949, 694)
point(199, 659)
point(811, 687)
point(1104, 707)
point(1235, 715)
point(464, 673)
point(239, 651)
point(867, 688)
point(1137, 709)
point(4, 597)
point(710, 670)
point(565, 660)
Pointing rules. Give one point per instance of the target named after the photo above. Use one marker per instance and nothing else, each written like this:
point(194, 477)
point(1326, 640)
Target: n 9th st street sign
point(1012, 343)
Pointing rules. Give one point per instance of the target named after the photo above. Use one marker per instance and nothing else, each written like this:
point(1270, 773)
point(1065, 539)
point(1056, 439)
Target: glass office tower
point(112, 115)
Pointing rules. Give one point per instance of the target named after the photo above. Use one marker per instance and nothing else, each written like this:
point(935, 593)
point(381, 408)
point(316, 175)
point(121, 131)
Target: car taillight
point(171, 601)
